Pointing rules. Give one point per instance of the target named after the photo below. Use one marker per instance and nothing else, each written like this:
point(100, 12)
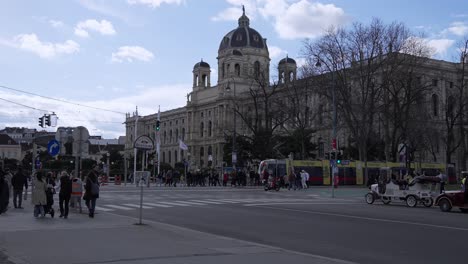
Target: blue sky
point(117, 54)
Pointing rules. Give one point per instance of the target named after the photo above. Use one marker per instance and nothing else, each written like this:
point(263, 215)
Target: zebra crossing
point(106, 207)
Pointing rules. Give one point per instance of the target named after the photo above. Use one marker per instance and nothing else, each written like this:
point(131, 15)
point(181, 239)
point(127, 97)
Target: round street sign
point(53, 147)
point(144, 142)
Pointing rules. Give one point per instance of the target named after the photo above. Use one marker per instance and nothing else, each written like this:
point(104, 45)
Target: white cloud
point(308, 20)
point(275, 52)
point(458, 28)
point(56, 23)
point(130, 53)
point(154, 3)
point(47, 50)
point(300, 19)
point(104, 27)
point(440, 46)
point(98, 122)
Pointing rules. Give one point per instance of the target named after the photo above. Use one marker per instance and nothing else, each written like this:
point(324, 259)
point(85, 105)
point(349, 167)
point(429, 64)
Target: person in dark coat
point(4, 193)
point(19, 181)
point(64, 194)
point(91, 191)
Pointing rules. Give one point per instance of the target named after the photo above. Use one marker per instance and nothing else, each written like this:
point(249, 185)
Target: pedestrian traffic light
point(338, 161)
point(47, 120)
point(158, 125)
point(41, 121)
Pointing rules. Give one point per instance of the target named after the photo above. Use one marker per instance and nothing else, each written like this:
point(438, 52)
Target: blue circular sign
point(53, 148)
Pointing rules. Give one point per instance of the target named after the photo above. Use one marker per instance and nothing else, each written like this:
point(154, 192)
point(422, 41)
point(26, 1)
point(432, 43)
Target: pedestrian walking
point(303, 179)
point(19, 181)
point(64, 193)
point(39, 199)
point(4, 193)
point(298, 180)
point(225, 178)
point(291, 180)
point(77, 193)
point(91, 191)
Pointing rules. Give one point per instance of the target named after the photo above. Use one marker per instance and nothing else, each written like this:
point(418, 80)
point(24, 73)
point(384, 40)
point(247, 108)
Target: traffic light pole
point(334, 136)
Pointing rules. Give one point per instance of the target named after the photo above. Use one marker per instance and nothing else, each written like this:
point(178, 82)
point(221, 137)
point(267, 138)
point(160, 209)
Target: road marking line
point(138, 206)
point(117, 207)
point(103, 209)
point(191, 203)
point(173, 203)
point(286, 203)
point(222, 200)
point(157, 205)
point(208, 202)
point(367, 218)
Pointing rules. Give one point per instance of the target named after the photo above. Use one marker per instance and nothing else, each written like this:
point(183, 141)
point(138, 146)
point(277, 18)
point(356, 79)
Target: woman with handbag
point(39, 198)
point(91, 191)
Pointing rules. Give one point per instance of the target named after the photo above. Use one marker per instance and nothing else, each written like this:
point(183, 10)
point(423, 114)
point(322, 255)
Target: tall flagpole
point(158, 142)
point(134, 149)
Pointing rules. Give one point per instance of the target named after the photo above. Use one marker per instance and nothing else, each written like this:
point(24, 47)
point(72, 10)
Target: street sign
point(144, 143)
point(53, 147)
point(38, 164)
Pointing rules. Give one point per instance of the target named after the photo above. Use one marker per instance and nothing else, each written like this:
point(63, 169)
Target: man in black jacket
point(65, 193)
point(18, 181)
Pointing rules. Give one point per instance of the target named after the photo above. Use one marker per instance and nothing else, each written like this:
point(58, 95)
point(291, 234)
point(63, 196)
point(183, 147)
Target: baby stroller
point(48, 209)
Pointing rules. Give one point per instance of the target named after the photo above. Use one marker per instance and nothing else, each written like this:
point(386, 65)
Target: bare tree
point(353, 61)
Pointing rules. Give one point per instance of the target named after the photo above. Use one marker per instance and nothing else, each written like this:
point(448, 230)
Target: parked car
point(446, 201)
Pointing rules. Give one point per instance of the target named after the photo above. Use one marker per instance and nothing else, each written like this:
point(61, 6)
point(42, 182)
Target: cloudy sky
point(91, 61)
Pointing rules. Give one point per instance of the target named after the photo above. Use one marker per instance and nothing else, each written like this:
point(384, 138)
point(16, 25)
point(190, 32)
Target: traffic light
point(158, 125)
point(47, 120)
point(339, 157)
point(42, 121)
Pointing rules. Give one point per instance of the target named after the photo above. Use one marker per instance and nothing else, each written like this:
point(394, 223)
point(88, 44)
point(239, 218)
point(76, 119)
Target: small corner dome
point(201, 64)
point(287, 60)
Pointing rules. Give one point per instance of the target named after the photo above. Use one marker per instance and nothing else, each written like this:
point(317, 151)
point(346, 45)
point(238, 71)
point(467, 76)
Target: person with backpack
point(64, 194)
point(91, 191)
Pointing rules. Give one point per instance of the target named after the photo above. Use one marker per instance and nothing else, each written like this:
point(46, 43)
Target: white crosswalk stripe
point(118, 207)
point(175, 204)
point(207, 201)
point(138, 206)
point(157, 205)
point(99, 208)
point(191, 203)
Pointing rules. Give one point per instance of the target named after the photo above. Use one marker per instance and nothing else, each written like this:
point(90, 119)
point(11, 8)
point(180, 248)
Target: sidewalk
point(110, 238)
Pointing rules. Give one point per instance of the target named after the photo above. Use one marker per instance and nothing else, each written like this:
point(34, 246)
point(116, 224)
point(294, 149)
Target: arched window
point(202, 154)
point(201, 129)
point(450, 105)
point(237, 69)
point(165, 137)
point(169, 155)
point(435, 104)
point(209, 128)
point(223, 70)
point(175, 156)
point(256, 69)
point(170, 136)
point(282, 77)
point(204, 80)
point(177, 134)
point(196, 80)
point(291, 76)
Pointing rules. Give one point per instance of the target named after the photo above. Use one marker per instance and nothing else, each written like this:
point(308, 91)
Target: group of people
point(44, 186)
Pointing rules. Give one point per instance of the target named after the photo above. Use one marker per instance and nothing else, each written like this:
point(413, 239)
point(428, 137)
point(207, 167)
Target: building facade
point(208, 116)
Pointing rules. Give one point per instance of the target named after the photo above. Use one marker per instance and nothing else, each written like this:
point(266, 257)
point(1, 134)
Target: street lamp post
point(108, 166)
point(234, 152)
point(334, 143)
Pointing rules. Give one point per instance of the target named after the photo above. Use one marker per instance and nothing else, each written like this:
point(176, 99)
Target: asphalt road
point(344, 228)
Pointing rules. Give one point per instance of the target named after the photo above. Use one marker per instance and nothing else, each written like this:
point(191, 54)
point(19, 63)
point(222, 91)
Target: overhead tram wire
point(42, 110)
point(60, 100)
